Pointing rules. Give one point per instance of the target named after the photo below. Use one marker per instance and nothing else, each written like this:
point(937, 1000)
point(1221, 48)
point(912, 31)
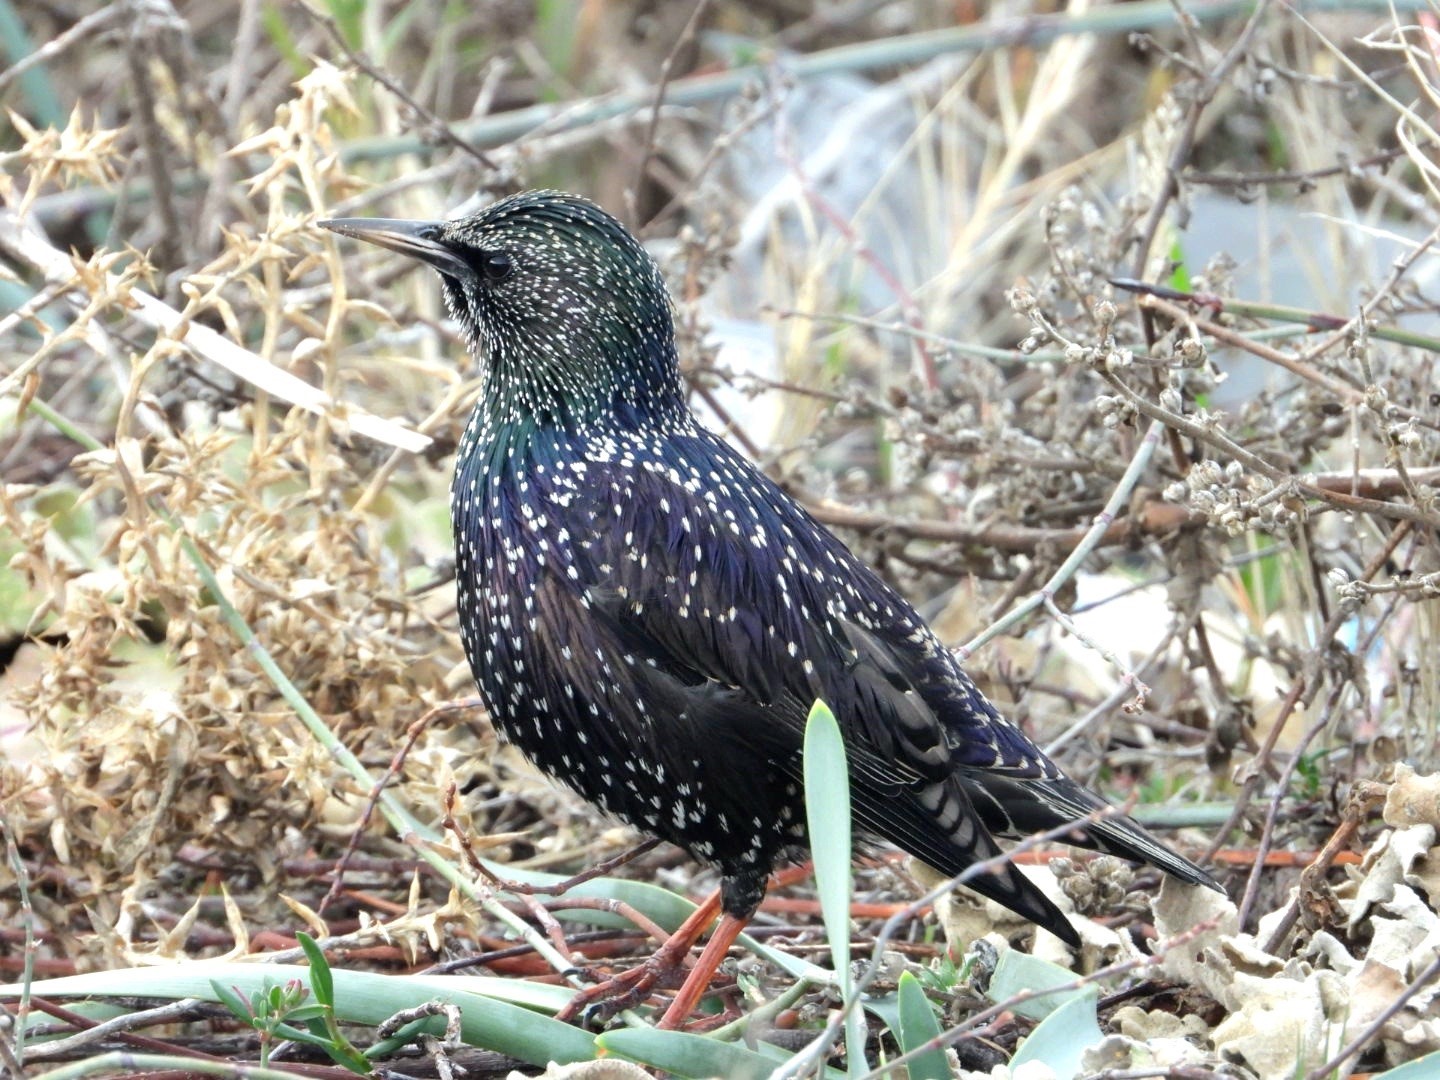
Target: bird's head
point(567, 309)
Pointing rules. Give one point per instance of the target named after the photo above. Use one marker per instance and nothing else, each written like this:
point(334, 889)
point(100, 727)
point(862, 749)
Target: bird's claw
point(599, 1013)
point(596, 1005)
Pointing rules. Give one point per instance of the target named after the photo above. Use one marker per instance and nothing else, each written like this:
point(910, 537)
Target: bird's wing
point(714, 574)
point(710, 576)
point(721, 581)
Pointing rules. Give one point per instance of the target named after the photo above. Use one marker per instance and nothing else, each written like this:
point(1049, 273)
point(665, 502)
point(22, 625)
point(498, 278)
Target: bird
point(649, 617)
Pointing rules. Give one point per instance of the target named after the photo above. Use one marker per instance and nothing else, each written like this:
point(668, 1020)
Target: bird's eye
point(496, 266)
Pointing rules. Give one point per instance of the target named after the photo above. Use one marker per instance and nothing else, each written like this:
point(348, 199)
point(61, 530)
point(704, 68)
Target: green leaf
point(363, 997)
point(1264, 580)
point(347, 1056)
point(36, 84)
point(918, 1025)
point(404, 1036)
point(885, 1008)
point(555, 33)
point(827, 812)
point(1180, 276)
point(827, 808)
point(309, 1036)
point(232, 1000)
point(778, 1056)
point(273, 20)
point(1019, 972)
point(1061, 1039)
point(321, 984)
point(348, 15)
point(683, 1054)
point(1422, 1068)
point(1275, 145)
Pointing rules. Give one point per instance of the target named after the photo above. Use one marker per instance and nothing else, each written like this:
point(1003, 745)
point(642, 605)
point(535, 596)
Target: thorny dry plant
point(962, 397)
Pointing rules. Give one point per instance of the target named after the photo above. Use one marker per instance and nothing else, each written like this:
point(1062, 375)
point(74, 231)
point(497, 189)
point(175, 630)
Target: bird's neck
point(591, 368)
point(586, 394)
point(514, 428)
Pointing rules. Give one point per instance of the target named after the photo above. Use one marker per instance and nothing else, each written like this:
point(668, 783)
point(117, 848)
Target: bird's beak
point(418, 239)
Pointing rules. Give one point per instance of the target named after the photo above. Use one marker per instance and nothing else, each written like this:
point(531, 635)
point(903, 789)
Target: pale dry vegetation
point(1109, 336)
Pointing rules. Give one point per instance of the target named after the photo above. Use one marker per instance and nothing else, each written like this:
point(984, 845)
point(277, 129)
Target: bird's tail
point(1016, 808)
point(951, 838)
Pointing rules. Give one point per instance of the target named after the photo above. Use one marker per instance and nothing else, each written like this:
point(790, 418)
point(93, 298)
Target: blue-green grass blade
point(682, 1054)
point(488, 1017)
point(1061, 1039)
point(827, 810)
point(918, 1025)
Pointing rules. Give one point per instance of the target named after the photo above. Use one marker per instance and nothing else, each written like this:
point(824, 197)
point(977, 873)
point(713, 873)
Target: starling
point(649, 617)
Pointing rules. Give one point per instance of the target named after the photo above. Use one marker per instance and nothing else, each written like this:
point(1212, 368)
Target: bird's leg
point(698, 981)
point(631, 987)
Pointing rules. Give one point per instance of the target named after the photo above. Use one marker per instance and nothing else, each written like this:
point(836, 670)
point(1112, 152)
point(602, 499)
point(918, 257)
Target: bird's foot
point(595, 1005)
